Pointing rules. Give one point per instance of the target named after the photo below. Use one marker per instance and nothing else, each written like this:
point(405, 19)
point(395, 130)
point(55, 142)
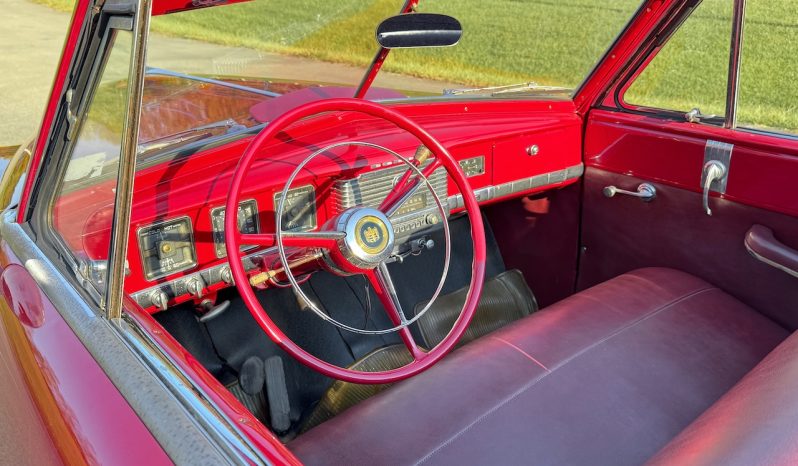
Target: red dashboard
point(174, 255)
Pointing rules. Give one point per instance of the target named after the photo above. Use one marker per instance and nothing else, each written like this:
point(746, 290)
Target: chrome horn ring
point(284, 258)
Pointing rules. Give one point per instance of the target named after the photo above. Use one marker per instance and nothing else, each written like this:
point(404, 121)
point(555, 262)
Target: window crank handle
point(715, 171)
point(645, 192)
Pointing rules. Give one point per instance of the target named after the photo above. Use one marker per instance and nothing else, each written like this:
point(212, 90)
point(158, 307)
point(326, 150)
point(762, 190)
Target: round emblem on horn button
point(371, 234)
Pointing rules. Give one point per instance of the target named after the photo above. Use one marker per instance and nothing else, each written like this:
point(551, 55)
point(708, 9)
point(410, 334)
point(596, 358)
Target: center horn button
point(369, 236)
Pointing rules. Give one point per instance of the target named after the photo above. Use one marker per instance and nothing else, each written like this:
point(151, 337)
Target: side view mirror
point(419, 30)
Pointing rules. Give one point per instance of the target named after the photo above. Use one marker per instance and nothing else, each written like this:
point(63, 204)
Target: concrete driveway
point(31, 38)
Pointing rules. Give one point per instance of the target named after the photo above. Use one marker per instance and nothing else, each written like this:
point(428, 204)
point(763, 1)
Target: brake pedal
point(277, 394)
point(251, 377)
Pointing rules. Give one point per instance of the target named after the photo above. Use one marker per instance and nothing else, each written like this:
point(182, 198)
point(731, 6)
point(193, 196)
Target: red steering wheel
point(350, 253)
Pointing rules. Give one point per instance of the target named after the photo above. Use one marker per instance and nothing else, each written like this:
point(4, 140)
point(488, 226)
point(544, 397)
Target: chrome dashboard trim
point(210, 276)
point(369, 189)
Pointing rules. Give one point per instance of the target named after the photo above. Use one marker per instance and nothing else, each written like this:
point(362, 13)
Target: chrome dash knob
point(159, 299)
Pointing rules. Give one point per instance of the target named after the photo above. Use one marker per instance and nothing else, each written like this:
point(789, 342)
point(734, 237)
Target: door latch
point(715, 172)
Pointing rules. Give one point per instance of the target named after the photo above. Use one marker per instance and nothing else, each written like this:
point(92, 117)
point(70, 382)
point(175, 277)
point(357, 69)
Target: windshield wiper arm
point(512, 88)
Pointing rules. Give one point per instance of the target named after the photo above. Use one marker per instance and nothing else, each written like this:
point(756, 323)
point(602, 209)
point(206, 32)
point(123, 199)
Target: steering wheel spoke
point(382, 283)
point(407, 185)
point(300, 239)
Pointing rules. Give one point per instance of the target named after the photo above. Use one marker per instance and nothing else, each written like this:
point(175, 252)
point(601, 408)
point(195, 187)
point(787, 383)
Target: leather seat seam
point(533, 382)
point(529, 356)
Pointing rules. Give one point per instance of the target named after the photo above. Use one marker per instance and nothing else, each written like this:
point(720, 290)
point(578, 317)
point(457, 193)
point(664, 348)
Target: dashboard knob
point(432, 219)
point(159, 299)
point(226, 275)
point(195, 286)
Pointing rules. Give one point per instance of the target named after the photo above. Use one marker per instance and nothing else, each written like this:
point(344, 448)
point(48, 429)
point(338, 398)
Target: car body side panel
point(59, 399)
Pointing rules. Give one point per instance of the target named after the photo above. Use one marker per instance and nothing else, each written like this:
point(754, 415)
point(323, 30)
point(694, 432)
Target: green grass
point(552, 42)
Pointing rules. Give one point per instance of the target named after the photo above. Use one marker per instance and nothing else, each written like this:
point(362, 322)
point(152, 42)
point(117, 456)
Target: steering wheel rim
point(422, 361)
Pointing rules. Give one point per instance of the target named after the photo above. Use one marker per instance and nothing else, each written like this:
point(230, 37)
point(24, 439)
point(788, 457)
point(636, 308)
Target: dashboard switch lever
point(159, 299)
point(195, 286)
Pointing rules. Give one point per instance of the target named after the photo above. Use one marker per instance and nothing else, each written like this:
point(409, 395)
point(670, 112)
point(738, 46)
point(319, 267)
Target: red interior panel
point(623, 233)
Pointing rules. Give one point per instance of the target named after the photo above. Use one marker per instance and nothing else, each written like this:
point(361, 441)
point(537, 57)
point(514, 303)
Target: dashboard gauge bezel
point(192, 246)
point(223, 248)
point(313, 209)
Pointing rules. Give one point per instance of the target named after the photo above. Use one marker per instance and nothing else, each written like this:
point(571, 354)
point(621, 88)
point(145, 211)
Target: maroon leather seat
point(607, 376)
point(756, 422)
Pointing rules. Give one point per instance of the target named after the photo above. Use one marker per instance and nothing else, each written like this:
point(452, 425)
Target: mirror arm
point(379, 58)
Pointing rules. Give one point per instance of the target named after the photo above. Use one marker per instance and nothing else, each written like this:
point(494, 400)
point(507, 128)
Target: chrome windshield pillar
point(127, 163)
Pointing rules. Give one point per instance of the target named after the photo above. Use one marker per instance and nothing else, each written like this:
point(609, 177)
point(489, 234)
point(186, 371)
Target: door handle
point(763, 245)
point(645, 192)
point(713, 171)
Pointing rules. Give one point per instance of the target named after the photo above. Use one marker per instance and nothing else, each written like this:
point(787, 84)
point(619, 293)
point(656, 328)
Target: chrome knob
point(645, 192)
point(159, 299)
point(227, 275)
point(195, 286)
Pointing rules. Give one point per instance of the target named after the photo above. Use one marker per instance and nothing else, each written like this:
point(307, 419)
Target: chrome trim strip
point(517, 186)
point(189, 429)
point(735, 55)
point(127, 164)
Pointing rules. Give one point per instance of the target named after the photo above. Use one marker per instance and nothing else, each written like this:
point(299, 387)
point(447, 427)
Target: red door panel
point(59, 406)
point(762, 172)
point(623, 233)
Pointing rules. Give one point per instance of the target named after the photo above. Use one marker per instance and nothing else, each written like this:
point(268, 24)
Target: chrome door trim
point(735, 55)
point(112, 303)
point(186, 423)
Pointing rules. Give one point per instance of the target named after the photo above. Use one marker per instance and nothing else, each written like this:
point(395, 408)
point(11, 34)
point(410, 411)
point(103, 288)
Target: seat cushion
point(756, 422)
point(607, 376)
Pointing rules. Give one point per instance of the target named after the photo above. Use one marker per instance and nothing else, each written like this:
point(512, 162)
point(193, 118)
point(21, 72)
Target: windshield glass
point(221, 70)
